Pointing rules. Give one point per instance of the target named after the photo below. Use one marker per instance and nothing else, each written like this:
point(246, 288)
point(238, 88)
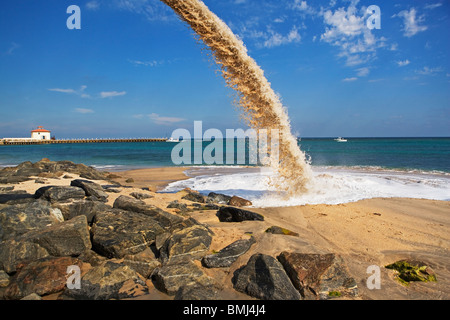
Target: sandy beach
point(368, 232)
point(364, 233)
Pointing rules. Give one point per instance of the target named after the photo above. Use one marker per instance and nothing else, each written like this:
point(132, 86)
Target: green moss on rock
point(411, 270)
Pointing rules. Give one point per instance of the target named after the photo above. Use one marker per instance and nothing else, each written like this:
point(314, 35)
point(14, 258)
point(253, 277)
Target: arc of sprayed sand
point(261, 107)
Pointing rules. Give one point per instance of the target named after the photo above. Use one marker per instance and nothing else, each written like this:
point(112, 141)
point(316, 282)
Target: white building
point(40, 134)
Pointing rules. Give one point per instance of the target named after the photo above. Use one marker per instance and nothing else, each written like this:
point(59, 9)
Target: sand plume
point(262, 108)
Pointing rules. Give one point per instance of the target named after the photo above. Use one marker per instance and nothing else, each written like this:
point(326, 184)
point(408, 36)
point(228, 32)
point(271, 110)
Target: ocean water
point(358, 169)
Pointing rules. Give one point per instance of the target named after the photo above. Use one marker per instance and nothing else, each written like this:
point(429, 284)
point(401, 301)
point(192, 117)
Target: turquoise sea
point(422, 154)
point(342, 172)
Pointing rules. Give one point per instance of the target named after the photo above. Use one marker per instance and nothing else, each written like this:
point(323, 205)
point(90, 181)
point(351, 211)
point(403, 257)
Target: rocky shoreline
point(124, 246)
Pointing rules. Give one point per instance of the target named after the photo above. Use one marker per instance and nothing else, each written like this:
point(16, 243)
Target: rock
point(13, 253)
point(7, 189)
point(109, 280)
point(143, 263)
point(59, 194)
point(283, 231)
point(113, 190)
point(412, 270)
point(130, 180)
point(318, 276)
point(44, 276)
point(198, 292)
point(68, 238)
point(16, 220)
point(16, 197)
point(117, 233)
point(41, 181)
point(91, 189)
point(32, 296)
point(228, 255)
point(51, 175)
point(91, 257)
point(206, 206)
point(232, 214)
point(182, 207)
point(236, 201)
point(193, 196)
point(13, 179)
point(218, 198)
point(174, 275)
point(166, 219)
point(113, 176)
point(140, 196)
point(79, 207)
point(187, 243)
point(4, 279)
point(264, 278)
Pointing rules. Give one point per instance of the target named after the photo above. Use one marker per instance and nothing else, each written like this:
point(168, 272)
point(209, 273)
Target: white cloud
point(403, 63)
point(153, 63)
point(275, 39)
point(93, 5)
point(363, 72)
point(63, 90)
point(79, 92)
point(427, 71)
point(433, 6)
point(411, 22)
point(156, 118)
point(350, 79)
point(84, 111)
point(346, 28)
point(111, 94)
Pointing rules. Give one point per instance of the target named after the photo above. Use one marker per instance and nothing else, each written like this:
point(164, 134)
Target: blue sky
point(135, 70)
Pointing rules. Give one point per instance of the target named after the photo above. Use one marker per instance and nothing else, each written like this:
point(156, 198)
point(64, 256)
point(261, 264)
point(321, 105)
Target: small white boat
point(340, 139)
point(171, 139)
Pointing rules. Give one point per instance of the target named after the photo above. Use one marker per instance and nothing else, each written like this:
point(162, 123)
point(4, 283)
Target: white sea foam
point(329, 186)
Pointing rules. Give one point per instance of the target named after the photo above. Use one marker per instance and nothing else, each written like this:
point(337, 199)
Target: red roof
point(40, 129)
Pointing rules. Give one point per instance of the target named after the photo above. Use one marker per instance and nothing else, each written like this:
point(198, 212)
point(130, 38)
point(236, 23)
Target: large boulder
point(318, 276)
point(78, 207)
point(109, 280)
point(13, 253)
point(192, 243)
point(193, 196)
point(164, 218)
point(16, 220)
point(44, 276)
point(91, 189)
point(218, 198)
point(225, 257)
point(143, 262)
point(236, 201)
point(232, 214)
point(117, 233)
point(264, 278)
point(198, 292)
point(16, 197)
point(68, 238)
point(174, 275)
point(59, 193)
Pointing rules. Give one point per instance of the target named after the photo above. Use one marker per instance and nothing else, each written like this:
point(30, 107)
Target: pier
point(10, 142)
